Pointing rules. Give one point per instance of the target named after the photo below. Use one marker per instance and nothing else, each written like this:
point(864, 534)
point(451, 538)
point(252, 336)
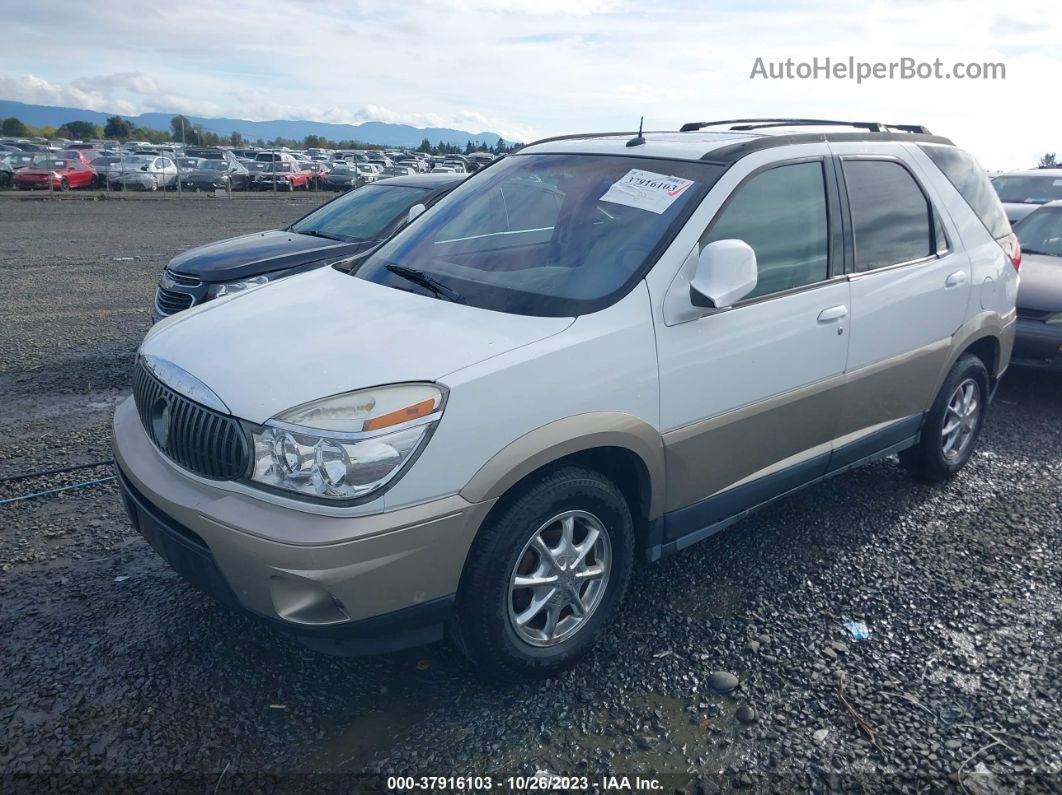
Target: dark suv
point(348, 225)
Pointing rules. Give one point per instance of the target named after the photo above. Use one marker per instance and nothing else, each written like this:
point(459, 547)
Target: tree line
point(182, 129)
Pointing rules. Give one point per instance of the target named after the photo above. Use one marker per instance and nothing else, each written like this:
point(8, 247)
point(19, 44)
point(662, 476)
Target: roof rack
point(758, 124)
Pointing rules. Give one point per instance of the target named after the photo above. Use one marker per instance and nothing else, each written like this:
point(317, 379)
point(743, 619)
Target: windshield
point(363, 214)
point(548, 235)
point(339, 170)
point(279, 167)
point(188, 163)
point(1028, 189)
point(1041, 232)
point(214, 165)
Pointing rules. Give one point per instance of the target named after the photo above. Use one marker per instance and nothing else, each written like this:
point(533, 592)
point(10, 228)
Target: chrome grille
point(200, 440)
point(170, 301)
point(187, 281)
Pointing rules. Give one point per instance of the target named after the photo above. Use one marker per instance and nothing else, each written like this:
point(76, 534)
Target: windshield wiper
point(314, 233)
point(424, 280)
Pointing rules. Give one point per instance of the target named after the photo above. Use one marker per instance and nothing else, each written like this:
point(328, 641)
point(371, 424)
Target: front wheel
point(953, 425)
point(545, 576)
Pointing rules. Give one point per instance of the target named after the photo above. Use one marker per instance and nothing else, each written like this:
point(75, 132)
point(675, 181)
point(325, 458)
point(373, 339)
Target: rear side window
point(891, 217)
point(972, 184)
point(781, 214)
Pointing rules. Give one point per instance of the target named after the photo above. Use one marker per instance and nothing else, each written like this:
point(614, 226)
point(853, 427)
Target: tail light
point(1012, 248)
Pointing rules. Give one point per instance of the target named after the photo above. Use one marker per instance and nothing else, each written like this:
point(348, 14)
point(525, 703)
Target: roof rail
point(757, 124)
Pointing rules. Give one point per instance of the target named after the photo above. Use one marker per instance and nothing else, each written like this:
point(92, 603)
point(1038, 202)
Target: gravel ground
point(117, 675)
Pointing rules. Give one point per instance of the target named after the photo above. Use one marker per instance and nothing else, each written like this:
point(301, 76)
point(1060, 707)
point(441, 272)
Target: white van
point(600, 347)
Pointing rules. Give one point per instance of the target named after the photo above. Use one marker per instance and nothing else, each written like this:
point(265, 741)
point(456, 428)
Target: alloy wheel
point(960, 419)
point(560, 578)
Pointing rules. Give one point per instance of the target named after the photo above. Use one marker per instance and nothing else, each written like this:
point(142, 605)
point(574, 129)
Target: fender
point(981, 326)
point(564, 437)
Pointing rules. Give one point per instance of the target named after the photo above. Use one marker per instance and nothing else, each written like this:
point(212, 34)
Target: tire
point(64, 184)
point(485, 625)
point(965, 389)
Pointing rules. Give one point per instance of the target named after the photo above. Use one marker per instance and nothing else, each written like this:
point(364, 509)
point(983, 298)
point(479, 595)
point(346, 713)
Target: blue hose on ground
point(83, 485)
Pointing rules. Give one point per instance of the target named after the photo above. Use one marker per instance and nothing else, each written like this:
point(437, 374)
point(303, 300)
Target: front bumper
point(1037, 344)
point(342, 585)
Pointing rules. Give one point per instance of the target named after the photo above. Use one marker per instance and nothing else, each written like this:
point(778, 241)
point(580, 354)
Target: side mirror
point(726, 273)
point(414, 212)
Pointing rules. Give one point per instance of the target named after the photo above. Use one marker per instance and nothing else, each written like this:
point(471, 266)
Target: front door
point(750, 395)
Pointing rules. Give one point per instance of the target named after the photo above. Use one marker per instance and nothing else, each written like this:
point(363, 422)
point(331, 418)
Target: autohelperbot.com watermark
point(850, 68)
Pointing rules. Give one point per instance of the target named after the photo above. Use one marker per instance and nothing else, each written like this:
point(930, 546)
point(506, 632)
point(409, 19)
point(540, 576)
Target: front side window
point(547, 235)
point(891, 217)
point(781, 214)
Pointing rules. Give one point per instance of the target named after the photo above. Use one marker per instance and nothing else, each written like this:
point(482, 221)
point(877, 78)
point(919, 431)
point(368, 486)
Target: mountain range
point(370, 132)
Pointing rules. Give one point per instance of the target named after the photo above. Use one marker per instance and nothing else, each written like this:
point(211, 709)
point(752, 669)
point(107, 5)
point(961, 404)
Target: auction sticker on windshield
point(646, 190)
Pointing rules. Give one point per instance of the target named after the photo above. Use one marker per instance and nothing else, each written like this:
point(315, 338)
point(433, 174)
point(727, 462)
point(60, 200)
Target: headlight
point(349, 445)
point(218, 290)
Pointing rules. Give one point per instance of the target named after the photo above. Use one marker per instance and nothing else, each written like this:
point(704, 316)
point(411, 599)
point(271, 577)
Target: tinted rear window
point(970, 180)
point(890, 214)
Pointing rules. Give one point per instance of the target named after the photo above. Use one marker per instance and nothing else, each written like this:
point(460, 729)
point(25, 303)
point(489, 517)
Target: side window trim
point(934, 217)
point(834, 227)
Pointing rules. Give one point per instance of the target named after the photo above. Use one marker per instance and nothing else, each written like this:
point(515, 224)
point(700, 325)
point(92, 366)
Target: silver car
point(142, 172)
point(1023, 191)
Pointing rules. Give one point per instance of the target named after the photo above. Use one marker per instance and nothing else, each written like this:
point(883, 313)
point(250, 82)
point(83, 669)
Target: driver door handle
point(833, 313)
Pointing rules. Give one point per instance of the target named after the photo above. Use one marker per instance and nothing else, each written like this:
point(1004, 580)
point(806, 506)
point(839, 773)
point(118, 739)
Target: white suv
point(600, 347)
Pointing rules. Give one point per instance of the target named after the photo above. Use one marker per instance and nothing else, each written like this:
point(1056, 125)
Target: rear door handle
point(955, 279)
point(833, 313)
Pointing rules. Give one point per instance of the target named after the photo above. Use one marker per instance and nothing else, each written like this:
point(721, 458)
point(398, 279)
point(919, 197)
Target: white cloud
point(527, 68)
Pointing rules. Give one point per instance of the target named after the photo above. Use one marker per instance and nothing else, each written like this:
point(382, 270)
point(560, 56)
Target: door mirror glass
point(415, 211)
point(726, 273)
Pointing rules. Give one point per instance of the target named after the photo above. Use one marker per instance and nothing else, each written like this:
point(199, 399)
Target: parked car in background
point(319, 169)
point(218, 175)
point(443, 170)
point(7, 175)
point(84, 156)
point(274, 156)
point(1039, 337)
point(344, 176)
point(55, 174)
point(143, 172)
point(188, 163)
point(103, 165)
point(1023, 191)
point(284, 175)
point(599, 348)
point(209, 153)
point(345, 226)
point(18, 160)
point(398, 171)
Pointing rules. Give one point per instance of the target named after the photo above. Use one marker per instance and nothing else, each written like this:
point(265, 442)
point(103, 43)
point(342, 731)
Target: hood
point(1041, 283)
point(324, 333)
point(1017, 210)
point(262, 252)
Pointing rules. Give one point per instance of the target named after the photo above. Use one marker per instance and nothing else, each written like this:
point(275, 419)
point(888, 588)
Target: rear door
point(910, 284)
point(750, 395)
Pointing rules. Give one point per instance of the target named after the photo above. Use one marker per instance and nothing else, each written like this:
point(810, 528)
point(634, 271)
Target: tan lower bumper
point(305, 569)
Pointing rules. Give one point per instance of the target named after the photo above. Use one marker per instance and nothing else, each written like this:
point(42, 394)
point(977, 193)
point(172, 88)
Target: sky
point(533, 68)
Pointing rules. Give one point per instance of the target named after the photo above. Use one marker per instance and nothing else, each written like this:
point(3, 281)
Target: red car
point(286, 176)
point(55, 174)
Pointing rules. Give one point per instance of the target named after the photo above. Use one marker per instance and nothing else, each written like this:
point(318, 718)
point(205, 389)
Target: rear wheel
point(953, 424)
point(545, 576)
point(64, 184)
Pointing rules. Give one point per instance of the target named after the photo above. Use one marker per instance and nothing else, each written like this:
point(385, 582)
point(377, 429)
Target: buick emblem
point(160, 421)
